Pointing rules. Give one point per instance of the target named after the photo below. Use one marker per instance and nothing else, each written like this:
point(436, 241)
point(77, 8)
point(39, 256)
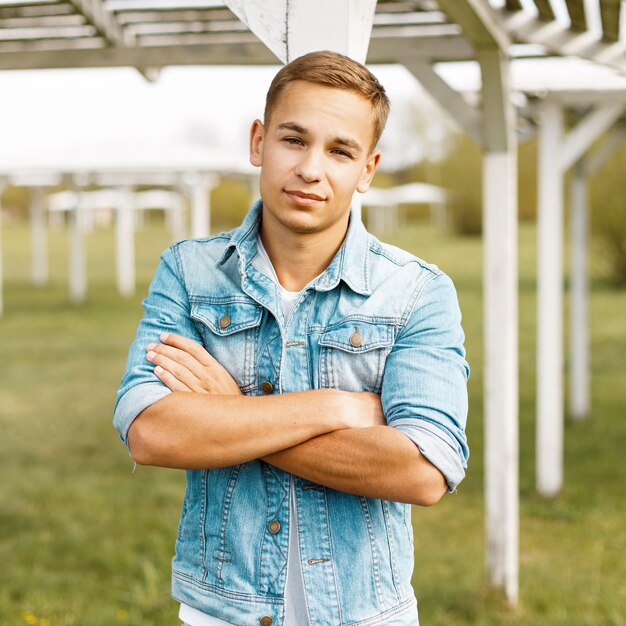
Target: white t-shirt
point(295, 599)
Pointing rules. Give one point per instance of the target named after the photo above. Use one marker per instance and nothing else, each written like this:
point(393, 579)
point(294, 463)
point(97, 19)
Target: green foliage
point(85, 542)
point(461, 174)
point(15, 201)
point(230, 201)
point(527, 180)
point(608, 210)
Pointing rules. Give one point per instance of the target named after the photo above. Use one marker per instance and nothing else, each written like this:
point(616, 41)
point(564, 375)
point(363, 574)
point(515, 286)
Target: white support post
point(344, 26)
point(1, 268)
point(201, 188)
point(125, 243)
point(579, 290)
point(500, 325)
point(550, 303)
point(38, 237)
point(77, 259)
point(176, 219)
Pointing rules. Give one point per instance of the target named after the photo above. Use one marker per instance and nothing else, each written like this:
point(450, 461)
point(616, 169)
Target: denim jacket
point(377, 319)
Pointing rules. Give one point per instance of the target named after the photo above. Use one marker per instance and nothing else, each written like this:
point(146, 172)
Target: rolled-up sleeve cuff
point(440, 449)
point(133, 402)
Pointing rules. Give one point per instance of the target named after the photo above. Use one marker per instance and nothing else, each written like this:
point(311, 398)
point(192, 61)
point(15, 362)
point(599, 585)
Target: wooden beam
point(38, 237)
point(610, 16)
point(268, 20)
point(500, 323)
point(125, 243)
point(102, 20)
point(587, 131)
point(344, 27)
point(577, 16)
point(432, 49)
point(252, 52)
point(40, 33)
point(513, 5)
point(450, 100)
point(549, 430)
point(36, 10)
point(545, 10)
point(579, 296)
point(597, 157)
point(561, 40)
point(477, 21)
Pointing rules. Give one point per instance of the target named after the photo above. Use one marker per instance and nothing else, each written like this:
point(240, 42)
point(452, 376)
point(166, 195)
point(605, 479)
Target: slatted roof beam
point(561, 40)
point(576, 10)
point(102, 20)
point(545, 10)
point(610, 16)
point(476, 19)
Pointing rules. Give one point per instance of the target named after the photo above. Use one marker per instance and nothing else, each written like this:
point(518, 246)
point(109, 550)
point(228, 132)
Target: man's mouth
point(300, 197)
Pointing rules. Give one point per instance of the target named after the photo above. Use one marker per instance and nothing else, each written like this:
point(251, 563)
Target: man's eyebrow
point(342, 141)
point(296, 128)
point(349, 143)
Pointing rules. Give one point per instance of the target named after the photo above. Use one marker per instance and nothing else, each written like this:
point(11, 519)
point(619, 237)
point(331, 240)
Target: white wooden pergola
point(193, 174)
point(149, 34)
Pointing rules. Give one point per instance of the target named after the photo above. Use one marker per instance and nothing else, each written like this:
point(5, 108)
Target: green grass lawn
point(85, 541)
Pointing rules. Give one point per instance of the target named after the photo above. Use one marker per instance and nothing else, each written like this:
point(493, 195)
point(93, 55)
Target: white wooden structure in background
point(148, 34)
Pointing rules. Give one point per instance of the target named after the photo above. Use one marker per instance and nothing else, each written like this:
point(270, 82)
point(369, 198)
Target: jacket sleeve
point(166, 309)
point(424, 393)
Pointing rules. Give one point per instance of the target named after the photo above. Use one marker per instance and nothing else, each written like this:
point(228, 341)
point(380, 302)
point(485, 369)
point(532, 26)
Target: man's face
point(314, 153)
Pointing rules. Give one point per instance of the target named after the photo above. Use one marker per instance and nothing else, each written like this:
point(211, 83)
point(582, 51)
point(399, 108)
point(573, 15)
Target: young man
point(310, 379)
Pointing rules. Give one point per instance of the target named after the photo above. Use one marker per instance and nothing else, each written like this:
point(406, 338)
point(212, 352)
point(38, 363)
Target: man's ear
point(257, 132)
point(368, 172)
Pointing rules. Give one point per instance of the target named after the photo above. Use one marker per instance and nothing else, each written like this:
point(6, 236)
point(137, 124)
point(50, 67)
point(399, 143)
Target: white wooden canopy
point(150, 34)
point(155, 33)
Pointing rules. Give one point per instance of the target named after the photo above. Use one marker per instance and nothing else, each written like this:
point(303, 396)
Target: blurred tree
point(230, 201)
point(461, 174)
point(608, 214)
point(527, 180)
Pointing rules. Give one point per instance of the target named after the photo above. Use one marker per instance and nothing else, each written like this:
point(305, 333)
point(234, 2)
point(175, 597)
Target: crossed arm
point(336, 438)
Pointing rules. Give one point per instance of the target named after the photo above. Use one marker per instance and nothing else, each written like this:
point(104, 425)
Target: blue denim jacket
point(356, 552)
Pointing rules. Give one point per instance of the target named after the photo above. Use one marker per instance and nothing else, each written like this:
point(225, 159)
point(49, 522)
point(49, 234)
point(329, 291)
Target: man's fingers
point(169, 380)
point(180, 356)
point(189, 346)
point(177, 370)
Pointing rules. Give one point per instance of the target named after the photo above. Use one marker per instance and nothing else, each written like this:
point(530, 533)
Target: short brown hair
point(333, 70)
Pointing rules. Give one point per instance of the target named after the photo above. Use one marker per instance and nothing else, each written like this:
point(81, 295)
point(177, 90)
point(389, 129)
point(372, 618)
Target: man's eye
point(342, 153)
point(293, 140)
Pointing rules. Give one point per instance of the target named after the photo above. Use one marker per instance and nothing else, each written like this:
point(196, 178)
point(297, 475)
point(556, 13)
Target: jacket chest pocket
point(353, 354)
point(230, 332)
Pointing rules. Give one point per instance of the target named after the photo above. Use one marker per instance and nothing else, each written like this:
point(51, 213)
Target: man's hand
point(184, 365)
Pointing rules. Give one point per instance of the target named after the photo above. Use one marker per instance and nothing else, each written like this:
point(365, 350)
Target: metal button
point(266, 620)
point(267, 387)
point(224, 321)
point(274, 526)
point(356, 341)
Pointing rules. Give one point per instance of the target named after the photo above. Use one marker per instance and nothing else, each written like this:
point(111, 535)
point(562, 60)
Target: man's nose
point(309, 167)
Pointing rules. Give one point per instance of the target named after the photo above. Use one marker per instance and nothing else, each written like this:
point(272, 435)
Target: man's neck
point(299, 257)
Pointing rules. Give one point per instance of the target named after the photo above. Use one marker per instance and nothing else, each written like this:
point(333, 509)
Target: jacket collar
point(350, 264)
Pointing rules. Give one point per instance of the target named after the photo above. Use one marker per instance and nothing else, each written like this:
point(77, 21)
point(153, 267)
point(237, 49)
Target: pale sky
point(86, 112)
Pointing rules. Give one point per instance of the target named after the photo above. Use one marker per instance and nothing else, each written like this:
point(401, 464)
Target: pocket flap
point(227, 318)
point(357, 336)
